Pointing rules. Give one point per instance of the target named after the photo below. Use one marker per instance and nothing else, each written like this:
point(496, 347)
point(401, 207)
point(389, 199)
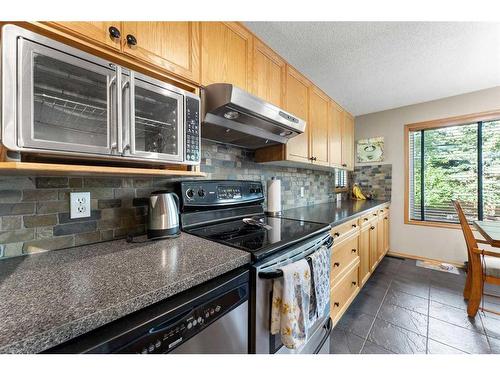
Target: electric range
point(216, 209)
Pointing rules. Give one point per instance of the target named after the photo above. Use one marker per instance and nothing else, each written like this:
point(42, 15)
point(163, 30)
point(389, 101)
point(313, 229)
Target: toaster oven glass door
point(66, 103)
point(157, 124)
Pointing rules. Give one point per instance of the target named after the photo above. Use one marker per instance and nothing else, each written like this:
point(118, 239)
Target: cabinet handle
point(354, 250)
point(114, 32)
point(344, 165)
point(336, 234)
point(131, 40)
point(354, 283)
point(365, 219)
point(354, 226)
point(336, 264)
point(336, 304)
point(372, 228)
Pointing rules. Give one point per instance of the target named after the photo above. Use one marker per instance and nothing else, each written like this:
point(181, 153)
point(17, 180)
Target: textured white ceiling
point(373, 66)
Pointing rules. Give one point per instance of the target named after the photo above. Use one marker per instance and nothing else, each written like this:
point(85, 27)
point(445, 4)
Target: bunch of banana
point(357, 193)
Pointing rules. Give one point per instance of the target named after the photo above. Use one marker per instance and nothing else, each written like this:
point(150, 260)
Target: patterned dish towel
point(290, 305)
point(320, 293)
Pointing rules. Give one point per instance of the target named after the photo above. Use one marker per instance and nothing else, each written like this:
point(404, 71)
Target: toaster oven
point(60, 101)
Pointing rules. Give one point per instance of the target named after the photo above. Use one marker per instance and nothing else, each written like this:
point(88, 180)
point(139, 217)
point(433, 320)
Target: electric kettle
point(163, 215)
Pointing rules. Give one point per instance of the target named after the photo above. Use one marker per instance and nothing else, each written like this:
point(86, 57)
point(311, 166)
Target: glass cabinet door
point(156, 130)
point(66, 101)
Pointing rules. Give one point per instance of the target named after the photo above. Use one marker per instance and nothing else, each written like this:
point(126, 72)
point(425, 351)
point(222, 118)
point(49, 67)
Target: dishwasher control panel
point(163, 337)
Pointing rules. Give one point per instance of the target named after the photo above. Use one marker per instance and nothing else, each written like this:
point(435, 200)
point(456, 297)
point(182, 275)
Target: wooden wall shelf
point(48, 169)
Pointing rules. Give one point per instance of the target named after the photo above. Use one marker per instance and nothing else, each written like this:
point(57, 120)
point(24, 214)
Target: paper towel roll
point(274, 196)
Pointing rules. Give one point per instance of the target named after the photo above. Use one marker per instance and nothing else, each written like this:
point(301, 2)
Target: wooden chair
point(474, 284)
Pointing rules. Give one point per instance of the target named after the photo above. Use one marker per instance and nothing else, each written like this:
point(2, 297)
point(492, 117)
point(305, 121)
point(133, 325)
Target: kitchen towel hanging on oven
point(320, 285)
point(290, 304)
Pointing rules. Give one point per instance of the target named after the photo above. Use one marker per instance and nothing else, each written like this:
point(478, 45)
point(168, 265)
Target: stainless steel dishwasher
point(208, 319)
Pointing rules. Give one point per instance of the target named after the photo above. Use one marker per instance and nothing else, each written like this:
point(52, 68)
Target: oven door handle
point(279, 273)
point(328, 327)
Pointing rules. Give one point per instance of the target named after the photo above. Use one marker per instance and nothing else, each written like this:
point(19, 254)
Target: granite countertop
point(49, 298)
point(333, 213)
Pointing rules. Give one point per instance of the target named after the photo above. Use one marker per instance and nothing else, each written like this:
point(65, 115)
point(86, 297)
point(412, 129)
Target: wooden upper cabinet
point(297, 103)
point(348, 141)
point(269, 72)
point(318, 126)
point(173, 46)
point(335, 119)
point(94, 31)
point(226, 54)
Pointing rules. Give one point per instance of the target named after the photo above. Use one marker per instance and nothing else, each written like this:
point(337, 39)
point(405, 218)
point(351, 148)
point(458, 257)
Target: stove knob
point(217, 308)
point(201, 193)
point(151, 348)
point(194, 323)
point(190, 325)
point(190, 193)
point(158, 344)
point(252, 190)
point(200, 319)
point(144, 351)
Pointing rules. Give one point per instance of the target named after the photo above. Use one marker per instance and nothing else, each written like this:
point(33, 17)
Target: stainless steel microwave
point(60, 101)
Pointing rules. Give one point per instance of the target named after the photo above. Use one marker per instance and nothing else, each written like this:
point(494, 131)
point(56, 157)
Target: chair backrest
point(470, 240)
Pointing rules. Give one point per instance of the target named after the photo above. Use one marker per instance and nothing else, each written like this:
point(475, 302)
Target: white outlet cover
point(79, 205)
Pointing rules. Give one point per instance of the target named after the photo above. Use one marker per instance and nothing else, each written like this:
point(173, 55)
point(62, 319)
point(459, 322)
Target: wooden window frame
point(434, 124)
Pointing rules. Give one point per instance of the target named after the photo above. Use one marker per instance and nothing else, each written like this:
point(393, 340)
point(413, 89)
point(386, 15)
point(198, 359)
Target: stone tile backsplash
point(375, 179)
point(34, 211)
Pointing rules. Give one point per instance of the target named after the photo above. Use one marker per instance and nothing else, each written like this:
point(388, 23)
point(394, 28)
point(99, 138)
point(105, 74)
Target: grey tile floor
point(405, 309)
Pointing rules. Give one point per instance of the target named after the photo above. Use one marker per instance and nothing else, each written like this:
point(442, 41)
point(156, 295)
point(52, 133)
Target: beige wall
point(430, 242)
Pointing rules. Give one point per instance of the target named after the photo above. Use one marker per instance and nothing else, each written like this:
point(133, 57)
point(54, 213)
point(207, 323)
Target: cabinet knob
point(385, 218)
point(344, 165)
point(372, 228)
point(354, 283)
point(131, 40)
point(365, 219)
point(336, 304)
point(336, 234)
point(375, 214)
point(114, 32)
point(336, 264)
point(354, 250)
point(354, 226)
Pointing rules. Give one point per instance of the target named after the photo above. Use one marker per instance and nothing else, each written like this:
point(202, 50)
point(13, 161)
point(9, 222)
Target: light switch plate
point(79, 205)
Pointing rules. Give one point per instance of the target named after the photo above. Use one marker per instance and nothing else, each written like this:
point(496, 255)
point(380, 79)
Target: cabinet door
point(269, 71)
point(174, 46)
point(335, 119)
point(348, 142)
point(226, 54)
point(386, 233)
point(95, 31)
point(297, 102)
point(318, 122)
point(380, 239)
point(373, 246)
point(364, 255)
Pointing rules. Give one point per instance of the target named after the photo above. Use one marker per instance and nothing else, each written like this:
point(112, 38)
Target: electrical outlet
point(302, 191)
point(79, 205)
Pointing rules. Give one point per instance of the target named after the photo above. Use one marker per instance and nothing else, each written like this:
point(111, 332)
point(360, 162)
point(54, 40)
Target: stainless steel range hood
point(234, 116)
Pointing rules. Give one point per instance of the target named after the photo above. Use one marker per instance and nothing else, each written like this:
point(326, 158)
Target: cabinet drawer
point(368, 218)
point(343, 231)
point(342, 257)
point(342, 294)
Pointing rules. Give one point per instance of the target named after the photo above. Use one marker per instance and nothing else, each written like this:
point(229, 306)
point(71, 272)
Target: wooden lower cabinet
point(343, 293)
point(359, 246)
point(364, 255)
point(343, 256)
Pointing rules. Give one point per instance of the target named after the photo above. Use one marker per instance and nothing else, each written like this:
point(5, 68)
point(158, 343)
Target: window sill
point(436, 224)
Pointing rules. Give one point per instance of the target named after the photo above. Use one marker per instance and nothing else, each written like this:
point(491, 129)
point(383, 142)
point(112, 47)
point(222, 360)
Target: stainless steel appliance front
point(264, 342)
point(58, 100)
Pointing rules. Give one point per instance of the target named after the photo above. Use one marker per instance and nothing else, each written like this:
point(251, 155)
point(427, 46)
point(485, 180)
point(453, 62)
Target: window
point(340, 179)
point(449, 159)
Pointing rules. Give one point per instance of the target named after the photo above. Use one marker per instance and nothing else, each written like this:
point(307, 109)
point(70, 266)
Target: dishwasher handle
point(328, 327)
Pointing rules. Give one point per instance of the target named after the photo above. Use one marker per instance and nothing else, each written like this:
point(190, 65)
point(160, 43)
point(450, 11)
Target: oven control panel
point(192, 131)
point(220, 193)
